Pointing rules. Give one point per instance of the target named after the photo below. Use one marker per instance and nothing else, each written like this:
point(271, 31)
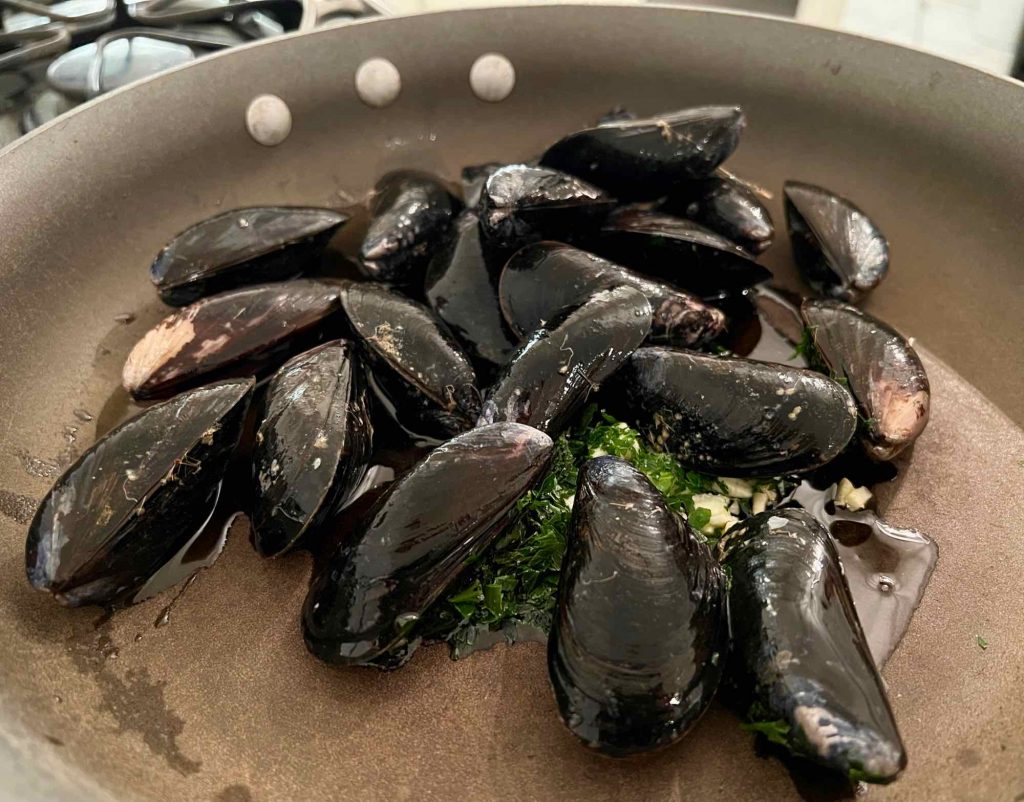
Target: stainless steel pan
point(223, 703)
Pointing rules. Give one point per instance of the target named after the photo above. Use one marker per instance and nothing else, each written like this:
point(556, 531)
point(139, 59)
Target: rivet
point(268, 119)
point(378, 82)
point(492, 77)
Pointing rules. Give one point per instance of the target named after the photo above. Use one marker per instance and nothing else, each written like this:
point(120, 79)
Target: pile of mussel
point(476, 328)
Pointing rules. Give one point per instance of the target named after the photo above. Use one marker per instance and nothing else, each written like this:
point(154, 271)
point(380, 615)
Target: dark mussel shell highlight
point(541, 281)
point(312, 446)
point(882, 370)
point(242, 331)
point(735, 417)
point(136, 497)
point(799, 657)
point(240, 247)
point(638, 643)
point(726, 207)
point(643, 159)
point(839, 250)
point(369, 595)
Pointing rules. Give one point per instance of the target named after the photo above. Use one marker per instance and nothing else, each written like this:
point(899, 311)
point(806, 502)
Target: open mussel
point(541, 281)
point(369, 595)
point(678, 251)
point(549, 378)
point(411, 213)
point(461, 288)
point(135, 497)
point(312, 446)
point(735, 417)
point(522, 204)
point(726, 207)
point(881, 369)
point(417, 370)
point(643, 159)
point(638, 643)
point(799, 662)
point(840, 252)
point(242, 331)
point(244, 246)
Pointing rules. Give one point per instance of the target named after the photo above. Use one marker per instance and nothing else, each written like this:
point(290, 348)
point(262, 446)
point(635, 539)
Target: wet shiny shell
point(643, 159)
point(678, 251)
point(840, 252)
point(727, 208)
point(462, 290)
point(312, 446)
point(543, 280)
point(244, 246)
point(411, 215)
point(549, 378)
point(638, 643)
point(449, 507)
point(135, 497)
point(417, 369)
point(807, 663)
point(522, 204)
point(473, 179)
point(880, 367)
point(735, 417)
point(239, 332)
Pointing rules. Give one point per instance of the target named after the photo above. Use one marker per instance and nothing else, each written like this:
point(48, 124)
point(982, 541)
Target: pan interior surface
point(223, 702)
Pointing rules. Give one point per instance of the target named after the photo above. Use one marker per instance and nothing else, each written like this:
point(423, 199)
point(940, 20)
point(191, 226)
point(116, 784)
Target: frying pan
point(223, 703)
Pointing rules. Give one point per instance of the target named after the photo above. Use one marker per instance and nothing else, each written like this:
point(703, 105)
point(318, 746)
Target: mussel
point(462, 290)
point(543, 280)
point(726, 207)
point(637, 647)
point(643, 159)
point(841, 253)
point(242, 331)
point(371, 592)
point(549, 378)
point(881, 368)
point(135, 497)
point(411, 213)
point(244, 246)
point(678, 251)
point(735, 417)
point(312, 446)
point(473, 179)
point(799, 661)
point(522, 204)
point(417, 368)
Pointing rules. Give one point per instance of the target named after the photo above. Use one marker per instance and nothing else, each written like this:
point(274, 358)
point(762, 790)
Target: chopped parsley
point(982, 642)
point(775, 731)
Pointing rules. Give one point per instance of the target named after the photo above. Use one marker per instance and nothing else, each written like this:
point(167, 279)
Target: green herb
point(775, 731)
point(982, 642)
point(805, 348)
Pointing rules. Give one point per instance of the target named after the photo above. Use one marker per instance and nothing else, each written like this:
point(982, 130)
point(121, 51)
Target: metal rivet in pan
point(492, 77)
point(378, 82)
point(268, 120)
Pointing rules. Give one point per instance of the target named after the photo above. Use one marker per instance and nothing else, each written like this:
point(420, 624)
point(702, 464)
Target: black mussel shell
point(638, 643)
point(312, 446)
point(369, 595)
point(541, 281)
point(411, 214)
point(549, 378)
point(462, 290)
point(735, 417)
point(727, 208)
point(418, 370)
point(806, 665)
point(238, 332)
point(881, 368)
point(473, 179)
point(679, 251)
point(522, 204)
point(839, 250)
point(644, 159)
point(136, 497)
point(244, 246)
